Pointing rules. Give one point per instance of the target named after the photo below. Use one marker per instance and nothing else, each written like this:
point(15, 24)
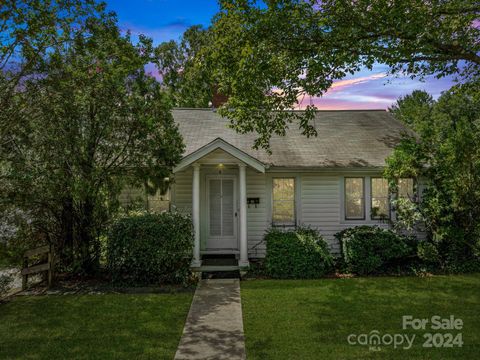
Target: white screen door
point(221, 214)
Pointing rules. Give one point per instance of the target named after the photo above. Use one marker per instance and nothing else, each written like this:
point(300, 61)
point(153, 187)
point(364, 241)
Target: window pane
point(283, 189)
point(405, 188)
point(354, 198)
point(354, 187)
point(380, 199)
point(283, 211)
point(354, 209)
point(379, 187)
point(380, 208)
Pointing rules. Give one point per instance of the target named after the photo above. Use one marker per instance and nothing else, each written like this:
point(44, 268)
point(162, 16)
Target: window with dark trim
point(354, 198)
point(380, 199)
point(283, 201)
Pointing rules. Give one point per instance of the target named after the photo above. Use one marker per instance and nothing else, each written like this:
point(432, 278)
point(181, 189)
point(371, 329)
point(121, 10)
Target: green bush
point(300, 253)
point(149, 248)
point(428, 253)
point(370, 249)
point(5, 282)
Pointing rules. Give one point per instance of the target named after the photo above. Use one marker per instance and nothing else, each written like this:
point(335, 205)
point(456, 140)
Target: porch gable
point(228, 148)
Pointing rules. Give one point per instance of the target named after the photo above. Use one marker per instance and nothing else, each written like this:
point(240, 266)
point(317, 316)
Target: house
point(329, 182)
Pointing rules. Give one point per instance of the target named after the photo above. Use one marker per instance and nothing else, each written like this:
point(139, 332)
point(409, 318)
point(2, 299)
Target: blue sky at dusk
point(165, 20)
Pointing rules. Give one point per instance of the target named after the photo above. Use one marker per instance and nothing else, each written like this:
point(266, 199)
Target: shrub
point(151, 249)
point(428, 253)
point(5, 283)
point(300, 253)
point(370, 249)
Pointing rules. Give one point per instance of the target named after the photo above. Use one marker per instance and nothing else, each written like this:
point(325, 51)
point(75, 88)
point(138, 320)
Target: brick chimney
point(218, 99)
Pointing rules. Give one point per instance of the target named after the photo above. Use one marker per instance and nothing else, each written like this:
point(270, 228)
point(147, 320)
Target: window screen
point(283, 211)
point(380, 199)
point(354, 198)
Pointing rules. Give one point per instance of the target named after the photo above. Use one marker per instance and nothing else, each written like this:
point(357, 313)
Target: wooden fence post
point(48, 266)
point(24, 276)
point(50, 270)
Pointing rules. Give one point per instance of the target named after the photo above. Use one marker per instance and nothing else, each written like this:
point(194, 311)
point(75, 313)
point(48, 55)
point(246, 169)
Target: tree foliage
point(183, 69)
point(270, 55)
point(28, 30)
point(94, 121)
point(446, 154)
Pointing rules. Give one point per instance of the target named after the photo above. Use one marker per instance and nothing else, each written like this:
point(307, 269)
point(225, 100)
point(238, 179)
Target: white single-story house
point(329, 182)
point(235, 193)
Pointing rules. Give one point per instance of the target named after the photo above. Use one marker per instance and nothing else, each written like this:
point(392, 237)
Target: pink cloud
point(341, 96)
point(374, 90)
point(341, 84)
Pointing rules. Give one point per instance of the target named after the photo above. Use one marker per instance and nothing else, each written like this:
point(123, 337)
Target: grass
point(311, 319)
point(112, 326)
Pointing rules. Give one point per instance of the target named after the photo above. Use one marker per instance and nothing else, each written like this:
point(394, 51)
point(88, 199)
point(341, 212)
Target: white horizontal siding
point(257, 221)
point(319, 203)
point(182, 192)
point(137, 196)
point(132, 196)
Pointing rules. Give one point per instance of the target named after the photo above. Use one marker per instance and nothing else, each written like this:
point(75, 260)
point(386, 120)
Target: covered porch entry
point(219, 201)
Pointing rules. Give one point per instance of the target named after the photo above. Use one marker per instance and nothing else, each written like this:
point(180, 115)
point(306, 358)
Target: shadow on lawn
point(92, 326)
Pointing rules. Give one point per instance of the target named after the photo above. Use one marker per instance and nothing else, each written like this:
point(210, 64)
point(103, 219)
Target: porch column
point(196, 262)
point(243, 216)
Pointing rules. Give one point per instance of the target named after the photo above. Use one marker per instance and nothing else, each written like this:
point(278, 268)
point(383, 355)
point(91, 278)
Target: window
point(380, 199)
point(283, 209)
point(405, 189)
point(354, 199)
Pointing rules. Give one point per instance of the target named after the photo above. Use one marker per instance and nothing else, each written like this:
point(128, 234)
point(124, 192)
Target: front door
point(222, 216)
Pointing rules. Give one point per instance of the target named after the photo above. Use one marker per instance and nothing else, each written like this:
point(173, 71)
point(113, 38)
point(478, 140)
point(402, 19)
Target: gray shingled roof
point(346, 138)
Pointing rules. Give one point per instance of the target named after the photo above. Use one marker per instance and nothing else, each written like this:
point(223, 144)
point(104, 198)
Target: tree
point(413, 110)
point(446, 154)
point(97, 121)
point(270, 55)
point(28, 30)
point(183, 70)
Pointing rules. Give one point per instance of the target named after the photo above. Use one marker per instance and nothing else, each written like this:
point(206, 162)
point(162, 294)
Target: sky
point(164, 20)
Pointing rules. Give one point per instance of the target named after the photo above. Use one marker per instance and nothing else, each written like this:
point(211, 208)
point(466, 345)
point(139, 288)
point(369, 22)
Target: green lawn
point(113, 326)
point(312, 319)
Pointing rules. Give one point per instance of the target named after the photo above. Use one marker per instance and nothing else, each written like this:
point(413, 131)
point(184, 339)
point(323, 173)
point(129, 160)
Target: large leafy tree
point(183, 69)
point(270, 55)
point(96, 121)
point(28, 30)
point(445, 154)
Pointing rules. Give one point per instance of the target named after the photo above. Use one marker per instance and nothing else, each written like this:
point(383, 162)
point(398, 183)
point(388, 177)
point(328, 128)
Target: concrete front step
point(211, 268)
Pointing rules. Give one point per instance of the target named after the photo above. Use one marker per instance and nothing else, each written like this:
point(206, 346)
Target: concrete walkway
point(214, 327)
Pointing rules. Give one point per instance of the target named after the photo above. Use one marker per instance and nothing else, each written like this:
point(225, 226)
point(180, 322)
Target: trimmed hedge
point(370, 249)
point(149, 249)
point(300, 253)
